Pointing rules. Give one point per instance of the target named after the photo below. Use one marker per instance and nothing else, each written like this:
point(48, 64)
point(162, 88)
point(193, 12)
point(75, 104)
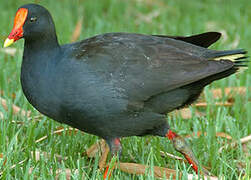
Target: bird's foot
point(116, 149)
point(181, 146)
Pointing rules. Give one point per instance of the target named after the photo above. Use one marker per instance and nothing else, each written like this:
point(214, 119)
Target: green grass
point(99, 16)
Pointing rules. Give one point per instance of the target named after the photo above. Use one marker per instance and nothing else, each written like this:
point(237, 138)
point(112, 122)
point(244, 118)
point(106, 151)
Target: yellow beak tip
point(8, 42)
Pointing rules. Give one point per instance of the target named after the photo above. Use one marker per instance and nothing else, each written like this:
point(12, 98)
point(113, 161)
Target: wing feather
point(141, 66)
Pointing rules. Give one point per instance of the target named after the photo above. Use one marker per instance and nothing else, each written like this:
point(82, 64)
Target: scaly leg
point(115, 149)
point(181, 146)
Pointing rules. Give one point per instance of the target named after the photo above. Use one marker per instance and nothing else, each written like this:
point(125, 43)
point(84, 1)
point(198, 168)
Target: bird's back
point(112, 78)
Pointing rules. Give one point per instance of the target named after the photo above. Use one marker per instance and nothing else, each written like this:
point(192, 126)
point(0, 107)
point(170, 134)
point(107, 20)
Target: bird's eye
point(33, 19)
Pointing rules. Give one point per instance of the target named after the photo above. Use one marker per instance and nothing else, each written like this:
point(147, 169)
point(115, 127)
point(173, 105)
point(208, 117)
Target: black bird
point(116, 85)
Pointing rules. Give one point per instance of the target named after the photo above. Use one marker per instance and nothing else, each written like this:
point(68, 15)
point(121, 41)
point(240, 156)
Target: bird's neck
point(37, 74)
point(45, 43)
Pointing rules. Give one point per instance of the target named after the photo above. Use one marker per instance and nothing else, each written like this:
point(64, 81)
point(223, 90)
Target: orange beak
point(17, 31)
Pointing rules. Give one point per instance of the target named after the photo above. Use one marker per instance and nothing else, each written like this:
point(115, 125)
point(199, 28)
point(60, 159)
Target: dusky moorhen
point(116, 85)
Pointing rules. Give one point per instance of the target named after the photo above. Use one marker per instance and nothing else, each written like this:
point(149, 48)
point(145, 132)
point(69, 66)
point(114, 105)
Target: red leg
point(116, 149)
point(106, 172)
point(181, 146)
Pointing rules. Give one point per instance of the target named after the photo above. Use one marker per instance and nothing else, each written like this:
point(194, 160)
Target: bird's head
point(32, 22)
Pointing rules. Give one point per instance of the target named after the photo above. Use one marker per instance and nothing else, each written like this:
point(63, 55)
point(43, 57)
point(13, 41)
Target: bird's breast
point(37, 85)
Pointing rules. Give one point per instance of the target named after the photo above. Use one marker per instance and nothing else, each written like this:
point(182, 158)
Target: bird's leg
point(115, 149)
point(181, 146)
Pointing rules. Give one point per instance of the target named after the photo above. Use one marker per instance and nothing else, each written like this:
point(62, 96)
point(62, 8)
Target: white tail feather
point(230, 57)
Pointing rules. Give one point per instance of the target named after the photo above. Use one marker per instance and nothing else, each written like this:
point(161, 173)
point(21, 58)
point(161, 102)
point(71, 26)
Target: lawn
point(18, 133)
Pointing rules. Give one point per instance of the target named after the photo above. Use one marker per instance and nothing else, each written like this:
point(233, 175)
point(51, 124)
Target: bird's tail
point(231, 55)
point(238, 57)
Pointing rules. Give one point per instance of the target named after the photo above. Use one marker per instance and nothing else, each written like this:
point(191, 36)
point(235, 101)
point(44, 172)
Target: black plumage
point(117, 84)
